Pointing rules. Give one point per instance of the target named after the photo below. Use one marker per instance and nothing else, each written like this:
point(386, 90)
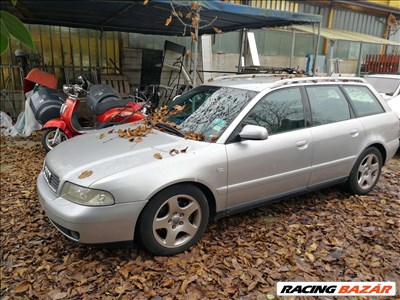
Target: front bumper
point(86, 224)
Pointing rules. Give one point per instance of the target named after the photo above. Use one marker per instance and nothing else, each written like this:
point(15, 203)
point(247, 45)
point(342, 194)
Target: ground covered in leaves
point(324, 236)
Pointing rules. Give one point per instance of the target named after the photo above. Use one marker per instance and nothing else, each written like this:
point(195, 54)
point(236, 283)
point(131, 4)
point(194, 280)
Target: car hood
point(93, 156)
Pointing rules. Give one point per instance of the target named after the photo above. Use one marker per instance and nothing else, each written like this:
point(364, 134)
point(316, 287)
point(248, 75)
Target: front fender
point(58, 123)
point(142, 182)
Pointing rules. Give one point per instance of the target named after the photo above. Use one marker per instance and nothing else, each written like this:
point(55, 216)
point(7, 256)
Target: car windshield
point(384, 85)
point(191, 100)
point(217, 112)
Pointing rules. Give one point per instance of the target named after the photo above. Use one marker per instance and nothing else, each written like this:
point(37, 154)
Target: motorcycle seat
point(102, 97)
point(104, 106)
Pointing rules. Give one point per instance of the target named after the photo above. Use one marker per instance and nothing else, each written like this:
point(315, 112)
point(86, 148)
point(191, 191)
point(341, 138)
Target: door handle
point(302, 144)
point(354, 132)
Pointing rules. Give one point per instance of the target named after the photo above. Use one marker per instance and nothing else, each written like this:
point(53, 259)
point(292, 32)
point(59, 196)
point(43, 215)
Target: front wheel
point(173, 220)
point(366, 172)
point(52, 137)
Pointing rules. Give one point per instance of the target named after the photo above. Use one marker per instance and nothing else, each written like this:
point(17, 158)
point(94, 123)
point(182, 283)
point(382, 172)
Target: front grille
point(51, 178)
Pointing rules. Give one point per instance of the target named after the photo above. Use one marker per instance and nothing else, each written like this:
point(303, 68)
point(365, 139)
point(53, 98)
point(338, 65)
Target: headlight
point(86, 196)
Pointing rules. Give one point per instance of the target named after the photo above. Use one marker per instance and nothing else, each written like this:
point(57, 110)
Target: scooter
point(102, 99)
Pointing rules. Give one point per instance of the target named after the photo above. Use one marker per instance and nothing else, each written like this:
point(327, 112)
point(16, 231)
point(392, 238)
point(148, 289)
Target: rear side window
point(363, 101)
point(328, 104)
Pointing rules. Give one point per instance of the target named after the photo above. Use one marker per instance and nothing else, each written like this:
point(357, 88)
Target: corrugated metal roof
point(343, 35)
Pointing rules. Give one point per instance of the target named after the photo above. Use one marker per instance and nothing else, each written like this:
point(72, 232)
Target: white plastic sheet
point(25, 125)
point(6, 126)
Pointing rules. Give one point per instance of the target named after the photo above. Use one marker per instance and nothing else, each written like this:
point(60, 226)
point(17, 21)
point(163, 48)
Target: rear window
point(363, 100)
point(328, 104)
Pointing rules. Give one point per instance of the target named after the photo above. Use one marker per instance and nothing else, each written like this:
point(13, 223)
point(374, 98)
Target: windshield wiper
point(170, 129)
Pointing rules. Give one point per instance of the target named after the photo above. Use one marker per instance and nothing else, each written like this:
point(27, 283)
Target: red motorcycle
point(102, 99)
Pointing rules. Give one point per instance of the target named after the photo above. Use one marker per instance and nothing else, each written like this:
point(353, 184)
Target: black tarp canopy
point(134, 16)
point(150, 18)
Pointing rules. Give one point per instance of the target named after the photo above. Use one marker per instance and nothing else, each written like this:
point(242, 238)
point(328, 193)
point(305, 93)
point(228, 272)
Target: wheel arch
point(203, 188)
point(381, 149)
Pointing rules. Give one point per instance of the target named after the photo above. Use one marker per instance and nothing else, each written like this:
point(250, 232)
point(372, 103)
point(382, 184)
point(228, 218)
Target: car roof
point(253, 82)
point(259, 82)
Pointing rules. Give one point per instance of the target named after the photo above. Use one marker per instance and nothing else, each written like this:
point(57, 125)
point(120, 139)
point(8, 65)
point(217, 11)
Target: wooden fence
point(388, 64)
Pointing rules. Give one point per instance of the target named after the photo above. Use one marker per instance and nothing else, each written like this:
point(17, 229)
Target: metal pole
point(292, 52)
point(359, 60)
point(242, 53)
point(316, 49)
point(330, 67)
point(196, 46)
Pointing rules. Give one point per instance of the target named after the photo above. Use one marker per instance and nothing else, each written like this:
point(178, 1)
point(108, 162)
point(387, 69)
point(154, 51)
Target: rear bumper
point(89, 225)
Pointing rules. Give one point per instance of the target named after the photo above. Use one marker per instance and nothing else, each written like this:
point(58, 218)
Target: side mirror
point(253, 132)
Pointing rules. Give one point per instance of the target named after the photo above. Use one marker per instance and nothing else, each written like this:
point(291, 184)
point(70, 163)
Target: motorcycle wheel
point(50, 140)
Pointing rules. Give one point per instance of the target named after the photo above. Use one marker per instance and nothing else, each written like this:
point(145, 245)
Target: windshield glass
point(191, 101)
point(384, 85)
point(220, 108)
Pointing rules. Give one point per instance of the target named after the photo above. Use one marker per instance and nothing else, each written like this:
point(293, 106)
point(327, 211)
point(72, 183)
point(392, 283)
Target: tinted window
point(364, 102)
point(328, 104)
point(278, 111)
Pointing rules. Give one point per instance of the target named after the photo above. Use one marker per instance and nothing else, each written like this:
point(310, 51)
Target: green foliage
point(12, 26)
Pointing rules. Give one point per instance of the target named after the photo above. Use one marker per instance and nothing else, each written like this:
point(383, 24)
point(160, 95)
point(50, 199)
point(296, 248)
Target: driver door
point(281, 164)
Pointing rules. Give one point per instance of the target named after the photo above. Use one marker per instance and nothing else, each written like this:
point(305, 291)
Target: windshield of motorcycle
point(217, 112)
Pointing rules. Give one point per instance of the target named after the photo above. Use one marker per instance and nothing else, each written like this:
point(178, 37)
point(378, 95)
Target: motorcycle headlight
point(86, 196)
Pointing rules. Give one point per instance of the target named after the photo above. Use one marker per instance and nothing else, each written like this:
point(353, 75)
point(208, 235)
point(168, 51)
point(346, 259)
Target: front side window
point(278, 111)
point(328, 104)
point(363, 101)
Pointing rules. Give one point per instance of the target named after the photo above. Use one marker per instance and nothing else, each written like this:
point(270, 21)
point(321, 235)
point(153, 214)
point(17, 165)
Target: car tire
point(365, 173)
point(48, 141)
point(173, 220)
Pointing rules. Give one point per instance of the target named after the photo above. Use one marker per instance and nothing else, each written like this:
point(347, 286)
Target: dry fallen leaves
point(351, 238)
point(168, 20)
point(217, 30)
point(157, 155)
point(85, 174)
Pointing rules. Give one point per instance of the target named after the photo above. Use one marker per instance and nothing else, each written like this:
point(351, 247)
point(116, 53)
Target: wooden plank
point(120, 83)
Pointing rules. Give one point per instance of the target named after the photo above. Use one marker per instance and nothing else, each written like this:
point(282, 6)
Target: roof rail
point(252, 75)
point(316, 79)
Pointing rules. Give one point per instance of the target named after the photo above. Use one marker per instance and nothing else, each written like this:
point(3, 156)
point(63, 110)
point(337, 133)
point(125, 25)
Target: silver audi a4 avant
point(255, 139)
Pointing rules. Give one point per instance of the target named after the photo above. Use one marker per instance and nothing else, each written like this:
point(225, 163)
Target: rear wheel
point(366, 172)
point(173, 220)
point(52, 137)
